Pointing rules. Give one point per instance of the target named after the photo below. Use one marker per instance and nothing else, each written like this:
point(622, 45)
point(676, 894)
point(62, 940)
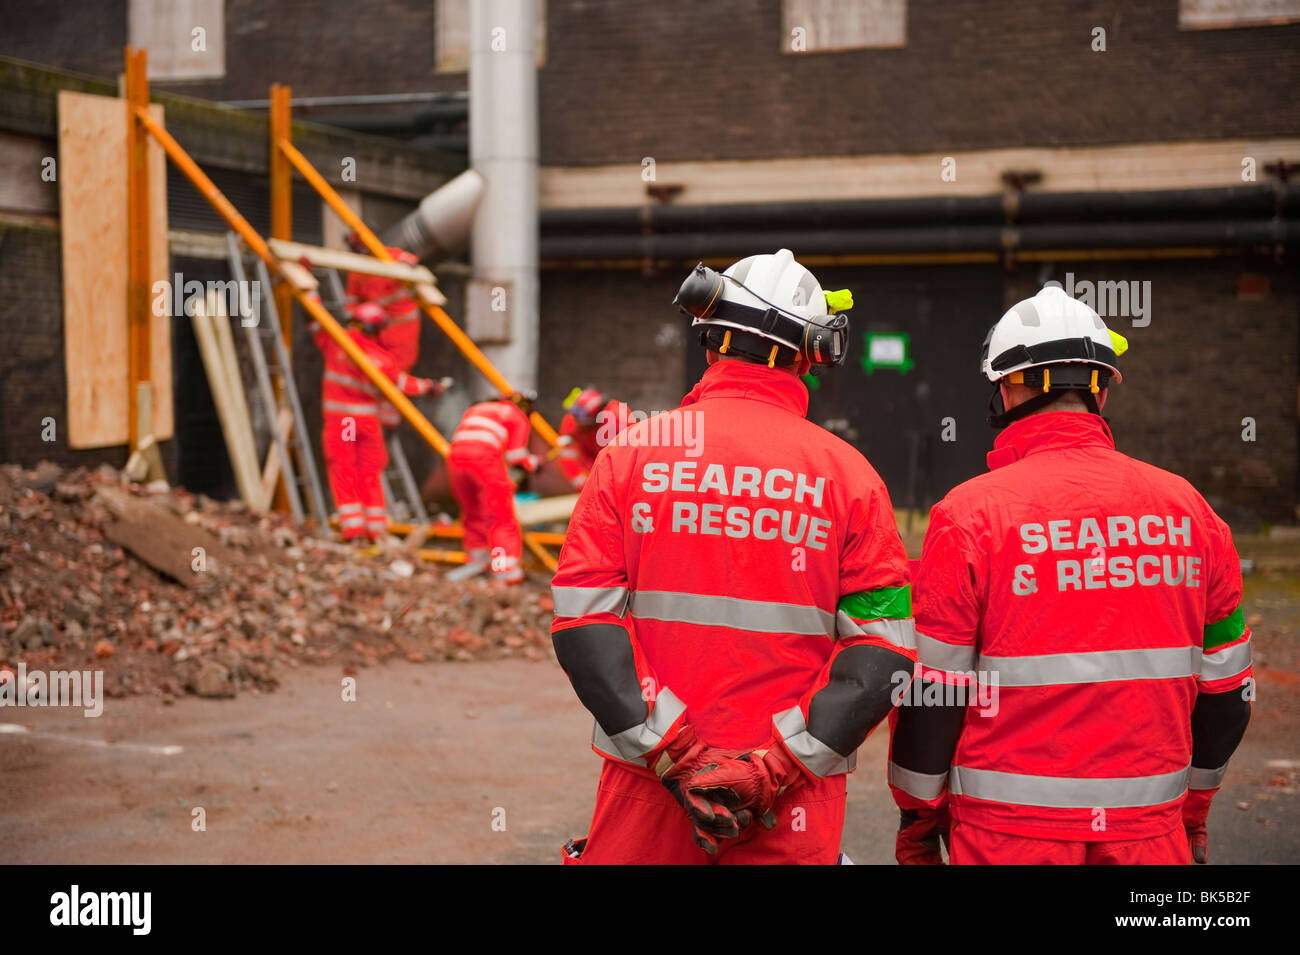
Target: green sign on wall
point(886, 350)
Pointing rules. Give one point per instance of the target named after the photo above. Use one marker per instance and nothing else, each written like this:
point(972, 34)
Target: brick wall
point(680, 80)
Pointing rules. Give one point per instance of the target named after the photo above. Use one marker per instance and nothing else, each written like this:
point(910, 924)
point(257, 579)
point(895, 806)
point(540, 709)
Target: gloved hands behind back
point(749, 782)
point(676, 765)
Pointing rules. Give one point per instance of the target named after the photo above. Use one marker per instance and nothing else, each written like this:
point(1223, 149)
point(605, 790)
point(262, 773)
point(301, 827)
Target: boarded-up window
point(1225, 14)
point(811, 25)
point(186, 39)
point(451, 26)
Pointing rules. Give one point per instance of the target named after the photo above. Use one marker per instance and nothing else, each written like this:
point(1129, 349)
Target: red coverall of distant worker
point(400, 334)
point(353, 441)
point(491, 436)
point(591, 423)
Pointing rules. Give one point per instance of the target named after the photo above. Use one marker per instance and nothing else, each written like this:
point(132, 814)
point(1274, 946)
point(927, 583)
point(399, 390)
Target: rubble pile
point(169, 592)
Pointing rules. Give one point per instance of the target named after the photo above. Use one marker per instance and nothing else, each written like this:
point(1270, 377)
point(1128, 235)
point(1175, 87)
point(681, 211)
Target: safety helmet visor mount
point(822, 340)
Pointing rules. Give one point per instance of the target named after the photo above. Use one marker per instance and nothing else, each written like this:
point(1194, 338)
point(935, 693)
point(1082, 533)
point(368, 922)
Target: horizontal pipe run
point(1235, 202)
point(912, 240)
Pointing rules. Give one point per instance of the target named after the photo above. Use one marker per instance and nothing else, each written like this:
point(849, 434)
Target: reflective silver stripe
point(485, 424)
point(360, 384)
point(901, 633)
point(516, 454)
point(349, 508)
point(1226, 662)
point(393, 297)
point(1065, 792)
point(357, 521)
point(707, 610)
point(944, 656)
point(476, 436)
point(580, 601)
point(347, 408)
point(1102, 666)
point(1206, 778)
point(632, 744)
point(815, 755)
point(920, 785)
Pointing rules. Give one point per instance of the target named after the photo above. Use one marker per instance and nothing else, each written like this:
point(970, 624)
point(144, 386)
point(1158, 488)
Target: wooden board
point(92, 211)
point(163, 540)
point(349, 261)
point(546, 509)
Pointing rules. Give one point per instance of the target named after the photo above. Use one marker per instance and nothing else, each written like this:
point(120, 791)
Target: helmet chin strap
point(1000, 416)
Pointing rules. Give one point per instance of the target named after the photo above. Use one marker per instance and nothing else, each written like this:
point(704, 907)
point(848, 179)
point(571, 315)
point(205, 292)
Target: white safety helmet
point(1051, 343)
point(1049, 329)
point(764, 304)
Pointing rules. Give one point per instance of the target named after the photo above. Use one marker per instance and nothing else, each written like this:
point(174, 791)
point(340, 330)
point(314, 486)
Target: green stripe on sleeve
point(887, 603)
point(1226, 630)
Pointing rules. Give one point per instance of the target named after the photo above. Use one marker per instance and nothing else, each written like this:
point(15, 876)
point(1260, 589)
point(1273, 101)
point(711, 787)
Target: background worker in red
point(591, 423)
point(1097, 598)
point(491, 436)
point(732, 599)
point(355, 455)
point(400, 333)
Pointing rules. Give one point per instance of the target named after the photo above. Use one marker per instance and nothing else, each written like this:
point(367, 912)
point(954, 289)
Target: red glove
point(750, 781)
point(675, 765)
point(1196, 811)
point(919, 833)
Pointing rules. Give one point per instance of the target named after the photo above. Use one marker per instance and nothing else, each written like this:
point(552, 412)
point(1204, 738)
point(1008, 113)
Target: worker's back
point(742, 525)
point(1089, 579)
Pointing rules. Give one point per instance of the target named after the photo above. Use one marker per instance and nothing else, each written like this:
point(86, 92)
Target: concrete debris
point(170, 592)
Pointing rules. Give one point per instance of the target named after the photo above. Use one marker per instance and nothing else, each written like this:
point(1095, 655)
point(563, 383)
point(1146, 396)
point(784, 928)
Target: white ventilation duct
point(441, 224)
point(501, 299)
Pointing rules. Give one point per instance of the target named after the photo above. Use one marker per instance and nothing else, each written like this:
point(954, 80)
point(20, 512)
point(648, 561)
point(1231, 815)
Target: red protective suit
point(400, 336)
point(355, 456)
point(490, 435)
point(579, 446)
point(726, 565)
point(1095, 599)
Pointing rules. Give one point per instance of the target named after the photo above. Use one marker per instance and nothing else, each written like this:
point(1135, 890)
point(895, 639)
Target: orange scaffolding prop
point(377, 248)
point(139, 372)
point(309, 302)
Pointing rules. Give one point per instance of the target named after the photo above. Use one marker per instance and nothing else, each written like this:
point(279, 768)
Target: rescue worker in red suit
point(400, 334)
point(355, 455)
point(591, 423)
point(491, 437)
point(1084, 665)
point(732, 600)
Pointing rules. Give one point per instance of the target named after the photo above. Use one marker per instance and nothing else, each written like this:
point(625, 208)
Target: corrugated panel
point(187, 210)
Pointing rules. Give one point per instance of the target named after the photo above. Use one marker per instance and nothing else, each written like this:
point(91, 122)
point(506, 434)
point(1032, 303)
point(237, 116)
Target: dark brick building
point(943, 119)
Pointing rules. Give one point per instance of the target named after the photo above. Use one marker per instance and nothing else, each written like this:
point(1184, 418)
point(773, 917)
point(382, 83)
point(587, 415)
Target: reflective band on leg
point(901, 633)
point(1065, 792)
point(938, 655)
point(580, 601)
point(920, 785)
point(1227, 662)
point(631, 744)
point(1206, 778)
point(708, 610)
point(816, 756)
point(1104, 666)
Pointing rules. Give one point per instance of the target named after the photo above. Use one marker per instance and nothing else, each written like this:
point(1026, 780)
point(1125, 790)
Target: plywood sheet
point(92, 200)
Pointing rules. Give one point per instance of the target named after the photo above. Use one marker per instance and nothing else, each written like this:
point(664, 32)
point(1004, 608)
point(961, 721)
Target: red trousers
point(486, 496)
point(355, 458)
point(637, 822)
point(969, 845)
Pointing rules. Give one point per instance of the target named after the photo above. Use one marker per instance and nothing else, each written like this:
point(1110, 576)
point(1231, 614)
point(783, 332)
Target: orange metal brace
point(440, 318)
point(310, 304)
point(138, 313)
